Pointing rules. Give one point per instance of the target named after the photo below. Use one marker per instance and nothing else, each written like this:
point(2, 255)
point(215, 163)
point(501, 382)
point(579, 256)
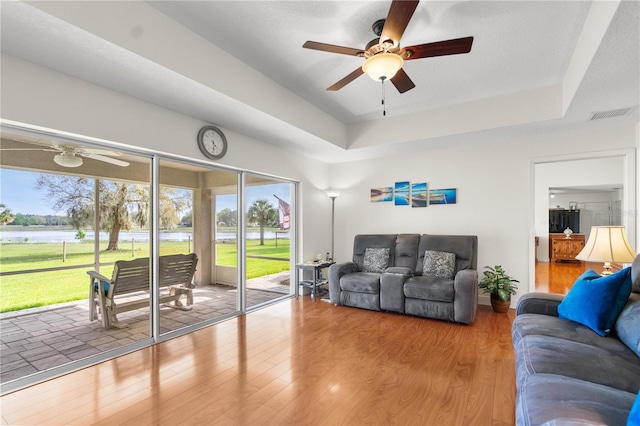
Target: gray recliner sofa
point(403, 286)
point(566, 374)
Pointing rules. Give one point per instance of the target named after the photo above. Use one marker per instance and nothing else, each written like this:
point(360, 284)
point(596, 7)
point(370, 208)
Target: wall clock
point(212, 142)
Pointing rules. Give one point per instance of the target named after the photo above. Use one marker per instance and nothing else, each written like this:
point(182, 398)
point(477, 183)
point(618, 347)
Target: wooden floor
point(558, 277)
point(300, 362)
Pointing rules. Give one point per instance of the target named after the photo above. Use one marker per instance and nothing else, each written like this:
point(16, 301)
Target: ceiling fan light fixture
point(382, 66)
point(67, 159)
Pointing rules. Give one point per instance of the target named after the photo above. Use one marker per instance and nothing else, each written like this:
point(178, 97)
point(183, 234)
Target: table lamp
point(607, 244)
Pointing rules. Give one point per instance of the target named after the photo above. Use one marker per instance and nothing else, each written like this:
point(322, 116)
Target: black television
point(561, 219)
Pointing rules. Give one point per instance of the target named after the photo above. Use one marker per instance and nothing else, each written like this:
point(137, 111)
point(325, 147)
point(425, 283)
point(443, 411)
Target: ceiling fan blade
point(398, 18)
point(348, 79)
point(82, 150)
point(29, 149)
point(333, 49)
point(439, 48)
point(105, 159)
point(100, 151)
point(19, 139)
point(402, 81)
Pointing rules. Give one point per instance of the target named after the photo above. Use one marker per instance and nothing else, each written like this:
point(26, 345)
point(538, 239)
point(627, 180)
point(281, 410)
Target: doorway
point(571, 180)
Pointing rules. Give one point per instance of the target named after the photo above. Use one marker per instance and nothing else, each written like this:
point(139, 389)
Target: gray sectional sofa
point(402, 285)
point(568, 374)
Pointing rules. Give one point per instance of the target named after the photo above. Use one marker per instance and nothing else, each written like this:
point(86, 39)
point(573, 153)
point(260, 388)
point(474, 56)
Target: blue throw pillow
point(596, 301)
point(105, 286)
point(634, 415)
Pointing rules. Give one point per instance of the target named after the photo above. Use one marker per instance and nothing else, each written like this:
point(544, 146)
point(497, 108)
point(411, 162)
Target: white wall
point(38, 96)
point(581, 197)
point(494, 182)
point(493, 174)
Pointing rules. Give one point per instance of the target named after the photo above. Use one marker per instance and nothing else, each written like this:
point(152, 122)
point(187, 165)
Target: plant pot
point(499, 305)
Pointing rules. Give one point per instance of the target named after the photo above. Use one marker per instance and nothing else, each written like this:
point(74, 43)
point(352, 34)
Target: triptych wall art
point(413, 194)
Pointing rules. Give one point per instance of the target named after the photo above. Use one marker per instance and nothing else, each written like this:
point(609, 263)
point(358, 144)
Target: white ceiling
point(269, 36)
point(241, 65)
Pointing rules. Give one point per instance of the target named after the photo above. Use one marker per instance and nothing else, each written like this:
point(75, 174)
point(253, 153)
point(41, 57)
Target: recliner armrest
point(465, 302)
point(336, 271)
point(539, 303)
point(400, 270)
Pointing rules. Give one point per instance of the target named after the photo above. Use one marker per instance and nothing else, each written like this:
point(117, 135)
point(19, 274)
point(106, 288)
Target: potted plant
point(500, 285)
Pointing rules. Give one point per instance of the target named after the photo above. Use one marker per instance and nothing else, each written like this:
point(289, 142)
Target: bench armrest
point(539, 303)
point(97, 276)
point(336, 271)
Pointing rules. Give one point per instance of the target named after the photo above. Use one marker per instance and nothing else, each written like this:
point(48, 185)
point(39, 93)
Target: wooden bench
point(132, 276)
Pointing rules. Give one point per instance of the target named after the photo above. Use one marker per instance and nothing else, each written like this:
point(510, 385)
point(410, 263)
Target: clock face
point(212, 142)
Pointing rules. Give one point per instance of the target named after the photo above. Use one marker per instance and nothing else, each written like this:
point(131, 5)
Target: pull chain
point(384, 105)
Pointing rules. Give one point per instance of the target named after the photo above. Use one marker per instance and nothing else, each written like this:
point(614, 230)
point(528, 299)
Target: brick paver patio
point(38, 339)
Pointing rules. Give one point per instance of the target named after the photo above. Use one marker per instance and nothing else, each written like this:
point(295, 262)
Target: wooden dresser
point(566, 249)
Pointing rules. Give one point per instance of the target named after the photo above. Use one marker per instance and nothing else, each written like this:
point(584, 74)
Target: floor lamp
point(333, 195)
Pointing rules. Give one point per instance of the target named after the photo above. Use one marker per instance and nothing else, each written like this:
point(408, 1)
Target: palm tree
point(263, 213)
point(5, 215)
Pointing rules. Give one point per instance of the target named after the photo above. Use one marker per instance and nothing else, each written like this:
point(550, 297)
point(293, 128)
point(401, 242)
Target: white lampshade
point(67, 159)
point(382, 66)
point(607, 244)
point(333, 194)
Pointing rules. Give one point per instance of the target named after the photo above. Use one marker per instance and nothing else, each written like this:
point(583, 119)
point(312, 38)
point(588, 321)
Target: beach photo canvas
point(442, 196)
point(380, 195)
point(401, 194)
point(419, 194)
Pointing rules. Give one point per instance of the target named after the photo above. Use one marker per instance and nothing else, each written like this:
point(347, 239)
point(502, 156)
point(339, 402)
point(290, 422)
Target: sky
point(254, 193)
point(18, 193)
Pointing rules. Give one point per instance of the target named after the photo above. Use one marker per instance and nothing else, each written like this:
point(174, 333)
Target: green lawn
point(227, 256)
point(44, 288)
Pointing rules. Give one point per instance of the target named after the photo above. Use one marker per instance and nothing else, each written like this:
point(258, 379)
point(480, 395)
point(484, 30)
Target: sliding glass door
point(70, 212)
point(268, 243)
point(192, 289)
point(106, 251)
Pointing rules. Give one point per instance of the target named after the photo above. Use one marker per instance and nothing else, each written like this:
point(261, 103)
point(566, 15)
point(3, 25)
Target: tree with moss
point(262, 213)
point(172, 204)
point(121, 204)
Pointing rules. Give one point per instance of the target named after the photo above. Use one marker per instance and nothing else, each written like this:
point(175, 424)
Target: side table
point(315, 267)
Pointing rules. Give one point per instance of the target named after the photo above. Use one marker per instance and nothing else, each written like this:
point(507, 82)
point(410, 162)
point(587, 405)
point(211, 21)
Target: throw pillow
point(634, 415)
point(441, 264)
point(105, 286)
point(596, 301)
point(375, 259)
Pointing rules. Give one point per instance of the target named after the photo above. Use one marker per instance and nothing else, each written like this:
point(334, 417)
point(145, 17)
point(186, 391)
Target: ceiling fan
point(70, 156)
point(385, 57)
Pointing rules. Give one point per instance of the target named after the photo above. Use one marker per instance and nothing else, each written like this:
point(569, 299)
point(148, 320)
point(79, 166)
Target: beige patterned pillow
point(441, 264)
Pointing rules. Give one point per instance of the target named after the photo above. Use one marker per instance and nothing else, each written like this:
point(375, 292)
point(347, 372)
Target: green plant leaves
point(497, 282)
